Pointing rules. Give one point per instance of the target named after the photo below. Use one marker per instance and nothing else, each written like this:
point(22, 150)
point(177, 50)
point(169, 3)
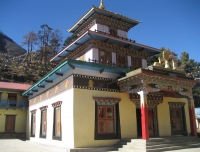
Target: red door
point(10, 123)
point(176, 119)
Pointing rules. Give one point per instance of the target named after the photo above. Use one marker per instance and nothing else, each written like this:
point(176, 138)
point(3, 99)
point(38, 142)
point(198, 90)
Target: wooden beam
point(71, 66)
point(60, 74)
point(35, 90)
point(61, 56)
point(77, 44)
point(40, 86)
point(141, 49)
point(101, 70)
point(106, 40)
point(127, 46)
point(49, 81)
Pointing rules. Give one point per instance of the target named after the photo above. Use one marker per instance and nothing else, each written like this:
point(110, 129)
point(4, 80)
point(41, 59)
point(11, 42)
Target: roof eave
point(71, 29)
point(45, 77)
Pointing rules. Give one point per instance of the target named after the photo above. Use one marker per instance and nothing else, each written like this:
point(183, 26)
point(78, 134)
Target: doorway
point(177, 121)
point(139, 122)
point(10, 123)
point(152, 122)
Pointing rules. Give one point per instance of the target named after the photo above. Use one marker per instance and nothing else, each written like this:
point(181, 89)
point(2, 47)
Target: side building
point(103, 90)
point(13, 110)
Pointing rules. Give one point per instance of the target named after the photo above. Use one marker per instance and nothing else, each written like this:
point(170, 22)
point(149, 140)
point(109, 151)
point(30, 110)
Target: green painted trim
point(89, 64)
point(46, 76)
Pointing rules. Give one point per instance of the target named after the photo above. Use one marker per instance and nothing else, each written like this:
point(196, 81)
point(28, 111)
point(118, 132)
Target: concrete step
point(173, 142)
point(157, 144)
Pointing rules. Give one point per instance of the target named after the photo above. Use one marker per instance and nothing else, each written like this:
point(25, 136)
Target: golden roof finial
point(101, 5)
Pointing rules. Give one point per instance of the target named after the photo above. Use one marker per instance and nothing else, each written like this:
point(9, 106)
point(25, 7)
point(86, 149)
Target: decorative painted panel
point(107, 46)
point(77, 81)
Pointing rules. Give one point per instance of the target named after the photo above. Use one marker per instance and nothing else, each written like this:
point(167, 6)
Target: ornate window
point(105, 57)
point(136, 63)
point(43, 128)
point(57, 121)
point(107, 118)
point(33, 122)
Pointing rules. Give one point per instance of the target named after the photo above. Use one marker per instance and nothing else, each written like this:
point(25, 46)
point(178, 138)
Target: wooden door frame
point(183, 121)
point(14, 123)
point(155, 121)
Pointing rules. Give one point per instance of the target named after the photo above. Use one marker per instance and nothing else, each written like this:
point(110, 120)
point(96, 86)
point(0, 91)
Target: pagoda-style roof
point(105, 13)
point(71, 64)
point(104, 37)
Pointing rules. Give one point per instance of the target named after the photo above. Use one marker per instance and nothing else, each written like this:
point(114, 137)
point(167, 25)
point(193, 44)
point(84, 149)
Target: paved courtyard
point(17, 145)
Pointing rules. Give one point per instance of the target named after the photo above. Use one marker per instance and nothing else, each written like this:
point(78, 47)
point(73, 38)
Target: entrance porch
point(167, 89)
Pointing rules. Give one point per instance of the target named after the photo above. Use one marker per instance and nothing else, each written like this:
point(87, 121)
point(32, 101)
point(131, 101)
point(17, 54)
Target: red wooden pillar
point(192, 117)
point(144, 115)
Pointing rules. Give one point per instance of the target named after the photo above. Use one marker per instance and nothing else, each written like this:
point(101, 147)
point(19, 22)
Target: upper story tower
point(102, 38)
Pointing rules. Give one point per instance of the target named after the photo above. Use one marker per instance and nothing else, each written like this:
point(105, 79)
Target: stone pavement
point(17, 145)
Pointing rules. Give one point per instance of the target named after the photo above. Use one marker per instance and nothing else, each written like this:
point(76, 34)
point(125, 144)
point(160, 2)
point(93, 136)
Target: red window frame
point(106, 119)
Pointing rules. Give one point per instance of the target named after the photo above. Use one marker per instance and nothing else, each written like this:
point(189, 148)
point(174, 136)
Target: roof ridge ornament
point(101, 5)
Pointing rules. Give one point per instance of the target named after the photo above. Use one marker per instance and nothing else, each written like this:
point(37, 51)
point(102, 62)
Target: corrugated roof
point(14, 86)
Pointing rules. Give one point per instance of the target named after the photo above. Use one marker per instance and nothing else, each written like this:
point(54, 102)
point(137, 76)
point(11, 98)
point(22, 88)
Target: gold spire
point(101, 5)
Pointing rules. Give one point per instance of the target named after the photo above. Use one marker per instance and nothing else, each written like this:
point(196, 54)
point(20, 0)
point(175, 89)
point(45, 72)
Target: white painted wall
point(114, 58)
point(89, 55)
point(66, 120)
point(129, 61)
point(103, 28)
point(93, 54)
point(121, 33)
point(144, 63)
point(93, 28)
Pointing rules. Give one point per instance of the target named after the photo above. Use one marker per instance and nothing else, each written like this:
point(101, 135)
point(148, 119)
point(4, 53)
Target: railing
point(13, 104)
point(116, 36)
point(111, 64)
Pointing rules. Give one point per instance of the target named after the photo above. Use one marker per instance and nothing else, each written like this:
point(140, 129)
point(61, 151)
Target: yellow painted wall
point(163, 113)
point(20, 120)
point(4, 95)
point(21, 115)
point(84, 117)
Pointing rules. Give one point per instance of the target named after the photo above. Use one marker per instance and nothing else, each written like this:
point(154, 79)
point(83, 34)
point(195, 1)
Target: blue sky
point(174, 24)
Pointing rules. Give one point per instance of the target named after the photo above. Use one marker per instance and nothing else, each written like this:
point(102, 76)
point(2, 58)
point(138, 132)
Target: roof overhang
point(157, 76)
point(65, 66)
point(105, 13)
point(103, 37)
